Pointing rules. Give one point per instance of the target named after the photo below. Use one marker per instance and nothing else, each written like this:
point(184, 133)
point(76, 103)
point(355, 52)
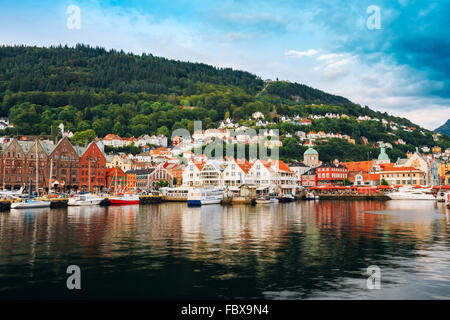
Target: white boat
point(410, 194)
point(274, 200)
point(174, 194)
point(86, 199)
point(30, 204)
point(199, 197)
point(311, 196)
point(263, 200)
point(440, 196)
point(287, 198)
point(11, 194)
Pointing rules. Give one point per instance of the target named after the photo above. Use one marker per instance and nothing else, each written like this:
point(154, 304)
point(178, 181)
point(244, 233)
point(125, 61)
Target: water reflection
point(293, 250)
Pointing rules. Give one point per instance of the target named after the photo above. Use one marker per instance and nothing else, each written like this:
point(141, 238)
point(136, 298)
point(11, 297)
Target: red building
point(309, 178)
point(331, 174)
point(93, 168)
point(116, 180)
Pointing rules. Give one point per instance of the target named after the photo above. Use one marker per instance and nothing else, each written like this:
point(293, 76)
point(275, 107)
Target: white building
point(235, 173)
point(191, 174)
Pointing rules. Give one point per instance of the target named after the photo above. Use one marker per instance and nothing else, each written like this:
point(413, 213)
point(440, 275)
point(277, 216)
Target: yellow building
point(120, 162)
point(436, 150)
point(447, 178)
point(403, 176)
point(443, 168)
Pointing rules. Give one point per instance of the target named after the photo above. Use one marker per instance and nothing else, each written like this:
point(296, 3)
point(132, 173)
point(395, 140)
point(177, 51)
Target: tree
point(83, 137)
point(163, 130)
point(384, 182)
point(346, 182)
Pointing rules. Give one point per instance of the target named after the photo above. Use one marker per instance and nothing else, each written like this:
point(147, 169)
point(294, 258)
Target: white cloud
point(328, 56)
point(301, 54)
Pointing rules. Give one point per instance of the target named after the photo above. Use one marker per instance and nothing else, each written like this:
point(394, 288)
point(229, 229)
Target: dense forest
point(95, 92)
point(301, 93)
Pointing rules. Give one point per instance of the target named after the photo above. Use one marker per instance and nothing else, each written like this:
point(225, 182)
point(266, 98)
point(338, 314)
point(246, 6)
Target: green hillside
point(115, 92)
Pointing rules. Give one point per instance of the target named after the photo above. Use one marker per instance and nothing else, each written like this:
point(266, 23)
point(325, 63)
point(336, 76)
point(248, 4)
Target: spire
point(383, 155)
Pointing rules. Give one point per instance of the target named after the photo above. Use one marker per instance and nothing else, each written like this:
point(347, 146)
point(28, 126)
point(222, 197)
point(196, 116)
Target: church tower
point(311, 156)
point(383, 157)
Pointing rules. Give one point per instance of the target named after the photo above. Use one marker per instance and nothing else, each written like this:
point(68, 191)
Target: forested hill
point(63, 68)
point(301, 93)
point(95, 92)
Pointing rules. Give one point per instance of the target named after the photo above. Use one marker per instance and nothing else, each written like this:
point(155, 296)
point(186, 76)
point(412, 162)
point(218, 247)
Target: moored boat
point(199, 197)
point(30, 204)
point(86, 199)
point(125, 199)
point(410, 194)
point(174, 194)
point(440, 196)
point(263, 200)
point(287, 198)
point(274, 200)
point(447, 199)
point(311, 196)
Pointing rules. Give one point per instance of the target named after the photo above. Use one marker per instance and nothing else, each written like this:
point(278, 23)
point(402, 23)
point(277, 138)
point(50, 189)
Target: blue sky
point(402, 68)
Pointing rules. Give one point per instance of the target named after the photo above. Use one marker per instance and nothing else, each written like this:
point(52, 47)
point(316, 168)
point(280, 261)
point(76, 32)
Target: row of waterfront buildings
point(65, 167)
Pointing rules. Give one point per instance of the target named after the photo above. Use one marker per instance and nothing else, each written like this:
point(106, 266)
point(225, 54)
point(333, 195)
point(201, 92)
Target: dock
point(379, 197)
point(150, 199)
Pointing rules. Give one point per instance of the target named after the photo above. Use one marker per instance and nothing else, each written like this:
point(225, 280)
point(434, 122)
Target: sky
point(392, 56)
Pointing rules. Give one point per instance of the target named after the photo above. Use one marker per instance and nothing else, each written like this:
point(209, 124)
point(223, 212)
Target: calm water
point(303, 250)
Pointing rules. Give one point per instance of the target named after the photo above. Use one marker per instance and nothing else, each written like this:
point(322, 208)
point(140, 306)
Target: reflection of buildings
point(270, 242)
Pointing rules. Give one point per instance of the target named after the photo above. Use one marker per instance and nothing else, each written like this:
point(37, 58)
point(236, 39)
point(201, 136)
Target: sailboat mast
point(50, 177)
point(37, 170)
point(89, 161)
point(115, 181)
point(4, 166)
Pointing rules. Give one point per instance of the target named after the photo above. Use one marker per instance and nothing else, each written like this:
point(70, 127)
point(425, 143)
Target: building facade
point(93, 168)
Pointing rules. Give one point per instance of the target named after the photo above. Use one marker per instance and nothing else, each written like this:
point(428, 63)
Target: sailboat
point(86, 199)
point(127, 198)
point(32, 203)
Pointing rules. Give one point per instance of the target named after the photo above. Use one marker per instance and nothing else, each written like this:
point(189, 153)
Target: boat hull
point(28, 205)
point(84, 202)
point(198, 203)
point(122, 202)
point(407, 197)
point(286, 199)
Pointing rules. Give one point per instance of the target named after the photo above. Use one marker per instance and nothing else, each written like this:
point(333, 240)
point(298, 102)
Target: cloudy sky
point(399, 63)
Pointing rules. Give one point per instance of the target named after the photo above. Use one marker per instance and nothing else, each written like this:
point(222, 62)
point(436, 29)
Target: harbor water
point(300, 250)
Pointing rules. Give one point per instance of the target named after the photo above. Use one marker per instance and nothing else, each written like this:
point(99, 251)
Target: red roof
point(360, 166)
point(401, 169)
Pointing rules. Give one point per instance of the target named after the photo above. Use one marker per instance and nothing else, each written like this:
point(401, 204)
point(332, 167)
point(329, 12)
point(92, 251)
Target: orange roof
point(112, 171)
point(386, 166)
point(283, 166)
point(401, 169)
point(199, 165)
point(363, 166)
point(244, 165)
point(277, 163)
point(111, 136)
